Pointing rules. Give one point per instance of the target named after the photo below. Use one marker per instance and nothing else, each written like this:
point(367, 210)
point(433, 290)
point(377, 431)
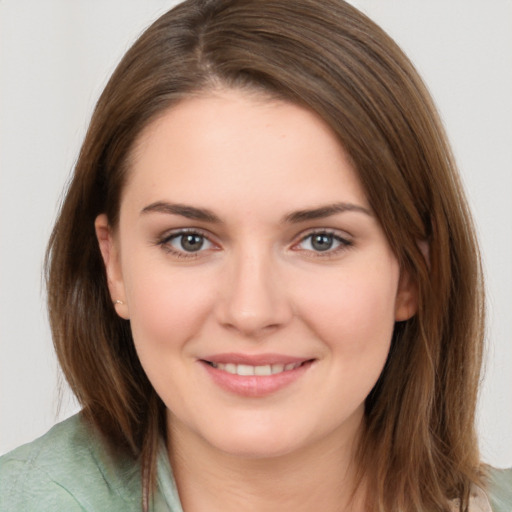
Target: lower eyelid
point(342, 242)
point(165, 242)
point(336, 236)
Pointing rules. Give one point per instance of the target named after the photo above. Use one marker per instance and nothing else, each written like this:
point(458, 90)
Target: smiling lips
point(254, 376)
point(261, 370)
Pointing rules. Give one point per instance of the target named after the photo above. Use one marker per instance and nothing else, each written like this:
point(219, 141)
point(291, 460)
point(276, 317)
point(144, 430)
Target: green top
point(72, 469)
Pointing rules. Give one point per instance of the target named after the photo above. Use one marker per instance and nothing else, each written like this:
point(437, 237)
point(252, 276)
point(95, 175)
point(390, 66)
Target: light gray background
point(55, 57)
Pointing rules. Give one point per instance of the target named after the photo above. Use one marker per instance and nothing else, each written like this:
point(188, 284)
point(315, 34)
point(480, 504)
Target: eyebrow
point(324, 211)
point(190, 212)
point(205, 215)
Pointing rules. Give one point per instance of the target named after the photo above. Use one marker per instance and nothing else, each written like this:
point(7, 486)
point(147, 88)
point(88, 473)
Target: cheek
point(166, 307)
point(355, 310)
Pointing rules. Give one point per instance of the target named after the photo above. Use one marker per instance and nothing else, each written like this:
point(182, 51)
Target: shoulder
point(500, 489)
point(69, 468)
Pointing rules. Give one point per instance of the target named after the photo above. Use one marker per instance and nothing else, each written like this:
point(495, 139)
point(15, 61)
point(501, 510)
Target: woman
point(264, 285)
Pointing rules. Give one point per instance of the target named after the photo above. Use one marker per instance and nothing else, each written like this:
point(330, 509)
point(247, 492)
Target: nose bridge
point(254, 298)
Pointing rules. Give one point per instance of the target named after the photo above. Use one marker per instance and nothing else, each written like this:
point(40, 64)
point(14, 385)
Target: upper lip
point(254, 359)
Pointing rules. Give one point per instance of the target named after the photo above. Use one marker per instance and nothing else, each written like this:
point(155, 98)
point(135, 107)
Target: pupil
point(322, 242)
point(191, 243)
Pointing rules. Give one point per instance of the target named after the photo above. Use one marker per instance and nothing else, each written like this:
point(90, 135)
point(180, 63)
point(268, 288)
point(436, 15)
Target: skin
point(258, 285)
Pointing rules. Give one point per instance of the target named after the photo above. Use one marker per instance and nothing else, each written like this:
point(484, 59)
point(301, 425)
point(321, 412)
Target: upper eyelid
point(172, 233)
point(339, 233)
point(175, 232)
point(165, 242)
point(344, 239)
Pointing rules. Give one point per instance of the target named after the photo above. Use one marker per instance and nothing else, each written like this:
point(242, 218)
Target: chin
point(257, 442)
point(259, 448)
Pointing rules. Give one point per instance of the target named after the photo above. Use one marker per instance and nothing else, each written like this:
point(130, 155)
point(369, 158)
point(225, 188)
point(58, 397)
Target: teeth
point(245, 369)
point(263, 370)
point(230, 368)
point(277, 368)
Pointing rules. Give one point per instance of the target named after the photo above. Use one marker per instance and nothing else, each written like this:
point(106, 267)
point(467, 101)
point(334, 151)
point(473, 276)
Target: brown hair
point(419, 448)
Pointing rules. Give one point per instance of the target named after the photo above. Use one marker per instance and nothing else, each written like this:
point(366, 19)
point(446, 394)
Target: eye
point(185, 243)
point(323, 242)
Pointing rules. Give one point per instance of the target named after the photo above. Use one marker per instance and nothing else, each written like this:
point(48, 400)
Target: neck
point(319, 477)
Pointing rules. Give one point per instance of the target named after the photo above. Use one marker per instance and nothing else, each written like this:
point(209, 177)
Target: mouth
point(255, 376)
point(259, 370)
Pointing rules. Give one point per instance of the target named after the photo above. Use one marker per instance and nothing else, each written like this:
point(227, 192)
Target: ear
point(406, 303)
point(111, 258)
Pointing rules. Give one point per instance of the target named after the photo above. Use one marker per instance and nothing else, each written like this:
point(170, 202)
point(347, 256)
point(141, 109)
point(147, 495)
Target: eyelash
point(344, 243)
point(164, 242)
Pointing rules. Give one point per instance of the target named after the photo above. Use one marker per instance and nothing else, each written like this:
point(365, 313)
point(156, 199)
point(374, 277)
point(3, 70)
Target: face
point(259, 285)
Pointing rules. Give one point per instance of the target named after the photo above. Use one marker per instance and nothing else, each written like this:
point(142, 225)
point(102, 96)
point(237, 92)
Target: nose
point(254, 299)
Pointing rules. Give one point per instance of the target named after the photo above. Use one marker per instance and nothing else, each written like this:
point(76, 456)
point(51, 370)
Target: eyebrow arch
point(190, 212)
point(324, 211)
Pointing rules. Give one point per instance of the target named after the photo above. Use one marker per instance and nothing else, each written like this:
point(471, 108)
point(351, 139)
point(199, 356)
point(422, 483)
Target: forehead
point(218, 146)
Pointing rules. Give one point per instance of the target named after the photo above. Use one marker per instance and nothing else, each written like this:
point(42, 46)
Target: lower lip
point(255, 385)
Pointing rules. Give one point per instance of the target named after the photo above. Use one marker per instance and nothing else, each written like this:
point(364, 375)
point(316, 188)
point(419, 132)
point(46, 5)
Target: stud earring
point(118, 302)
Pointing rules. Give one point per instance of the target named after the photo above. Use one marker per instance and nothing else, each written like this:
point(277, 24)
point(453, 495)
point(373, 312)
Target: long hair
point(418, 449)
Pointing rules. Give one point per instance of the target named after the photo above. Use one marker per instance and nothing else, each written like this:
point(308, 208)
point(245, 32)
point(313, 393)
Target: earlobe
point(110, 254)
point(406, 304)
